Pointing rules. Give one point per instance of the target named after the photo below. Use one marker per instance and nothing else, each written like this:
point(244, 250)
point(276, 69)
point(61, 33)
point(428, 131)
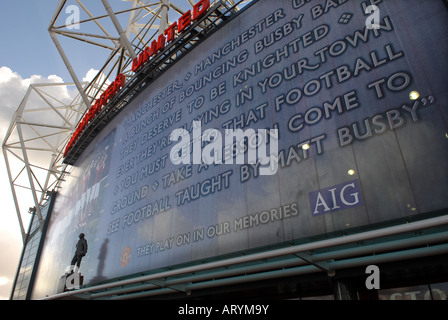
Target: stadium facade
point(353, 204)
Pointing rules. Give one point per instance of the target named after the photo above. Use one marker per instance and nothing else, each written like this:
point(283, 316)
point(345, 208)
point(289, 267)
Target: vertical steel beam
point(30, 176)
point(18, 113)
point(164, 16)
point(14, 196)
point(70, 69)
point(47, 179)
point(123, 39)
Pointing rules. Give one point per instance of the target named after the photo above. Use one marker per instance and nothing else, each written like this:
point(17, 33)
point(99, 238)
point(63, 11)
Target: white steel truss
point(38, 132)
point(37, 145)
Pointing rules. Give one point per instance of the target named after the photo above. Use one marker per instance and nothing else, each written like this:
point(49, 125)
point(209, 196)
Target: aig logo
point(339, 197)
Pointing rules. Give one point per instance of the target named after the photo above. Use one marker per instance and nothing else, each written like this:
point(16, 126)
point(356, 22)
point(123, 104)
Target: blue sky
point(26, 45)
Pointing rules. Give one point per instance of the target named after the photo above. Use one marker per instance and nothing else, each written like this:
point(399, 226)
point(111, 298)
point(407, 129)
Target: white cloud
point(7, 75)
point(90, 75)
point(11, 246)
point(13, 88)
point(4, 281)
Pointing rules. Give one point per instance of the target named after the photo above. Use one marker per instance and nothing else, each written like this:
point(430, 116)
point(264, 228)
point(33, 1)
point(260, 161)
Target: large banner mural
point(351, 97)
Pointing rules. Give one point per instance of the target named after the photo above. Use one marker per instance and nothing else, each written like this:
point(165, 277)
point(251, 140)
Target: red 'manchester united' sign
point(110, 92)
point(183, 23)
point(156, 46)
